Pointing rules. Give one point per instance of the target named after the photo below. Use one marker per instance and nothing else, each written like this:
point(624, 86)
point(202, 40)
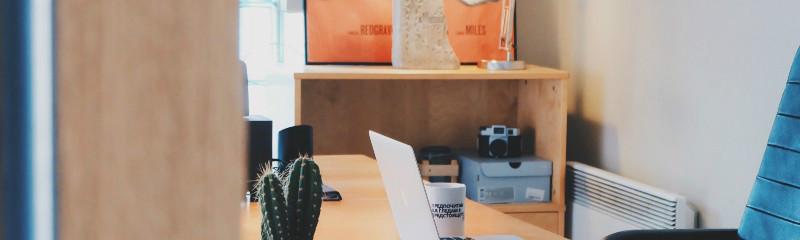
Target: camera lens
point(498, 148)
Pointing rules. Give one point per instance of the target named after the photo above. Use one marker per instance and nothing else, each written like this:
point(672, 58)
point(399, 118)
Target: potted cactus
point(290, 201)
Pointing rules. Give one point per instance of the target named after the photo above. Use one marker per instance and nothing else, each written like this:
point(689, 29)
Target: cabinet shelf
point(466, 72)
point(440, 107)
point(527, 207)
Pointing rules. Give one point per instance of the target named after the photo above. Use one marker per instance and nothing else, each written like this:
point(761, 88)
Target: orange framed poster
point(359, 31)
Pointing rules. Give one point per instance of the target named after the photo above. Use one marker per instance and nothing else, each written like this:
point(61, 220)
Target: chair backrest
point(773, 211)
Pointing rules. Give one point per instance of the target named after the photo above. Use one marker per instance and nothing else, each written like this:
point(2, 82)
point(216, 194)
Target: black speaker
point(259, 148)
point(294, 142)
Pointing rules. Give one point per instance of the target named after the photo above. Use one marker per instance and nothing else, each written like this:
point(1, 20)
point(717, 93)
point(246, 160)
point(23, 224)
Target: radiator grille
point(638, 204)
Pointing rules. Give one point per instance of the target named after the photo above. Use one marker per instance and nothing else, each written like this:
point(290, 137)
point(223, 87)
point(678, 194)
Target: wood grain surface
point(546, 220)
point(420, 113)
point(365, 212)
point(466, 72)
point(543, 107)
point(150, 130)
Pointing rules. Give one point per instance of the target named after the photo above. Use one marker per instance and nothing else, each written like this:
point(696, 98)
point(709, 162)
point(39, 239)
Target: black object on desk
point(259, 148)
point(294, 142)
point(330, 194)
point(297, 141)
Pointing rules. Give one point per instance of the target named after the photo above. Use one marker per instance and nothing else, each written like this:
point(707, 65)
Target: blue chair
point(773, 211)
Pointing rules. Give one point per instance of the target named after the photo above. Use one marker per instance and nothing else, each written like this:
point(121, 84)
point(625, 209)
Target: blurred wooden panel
point(150, 133)
point(420, 113)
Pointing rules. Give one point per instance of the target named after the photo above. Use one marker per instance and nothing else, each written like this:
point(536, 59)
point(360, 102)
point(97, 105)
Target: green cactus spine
point(303, 197)
point(291, 203)
point(274, 225)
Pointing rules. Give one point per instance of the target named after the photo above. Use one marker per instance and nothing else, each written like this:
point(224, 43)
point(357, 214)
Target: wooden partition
point(150, 130)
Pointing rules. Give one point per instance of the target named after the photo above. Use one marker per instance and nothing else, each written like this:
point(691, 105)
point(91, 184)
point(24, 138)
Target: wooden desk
point(365, 213)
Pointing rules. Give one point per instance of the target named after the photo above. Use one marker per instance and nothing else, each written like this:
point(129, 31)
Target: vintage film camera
point(499, 141)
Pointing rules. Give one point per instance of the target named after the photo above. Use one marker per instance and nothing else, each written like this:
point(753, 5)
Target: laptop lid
point(403, 184)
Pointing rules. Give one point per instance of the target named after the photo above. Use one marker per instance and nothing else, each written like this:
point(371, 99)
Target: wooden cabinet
point(549, 221)
point(438, 107)
point(549, 216)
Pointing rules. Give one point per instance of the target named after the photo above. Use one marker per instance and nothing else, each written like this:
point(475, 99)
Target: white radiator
point(600, 203)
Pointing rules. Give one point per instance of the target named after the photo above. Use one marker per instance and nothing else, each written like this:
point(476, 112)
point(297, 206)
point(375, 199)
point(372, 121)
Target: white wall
point(679, 94)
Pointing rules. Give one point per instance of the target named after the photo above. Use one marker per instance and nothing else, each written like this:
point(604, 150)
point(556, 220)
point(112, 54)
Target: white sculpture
point(419, 36)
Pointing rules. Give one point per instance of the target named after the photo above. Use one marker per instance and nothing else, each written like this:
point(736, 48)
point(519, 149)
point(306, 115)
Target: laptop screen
point(404, 187)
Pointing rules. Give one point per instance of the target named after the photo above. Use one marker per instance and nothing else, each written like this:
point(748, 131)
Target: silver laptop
point(407, 198)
